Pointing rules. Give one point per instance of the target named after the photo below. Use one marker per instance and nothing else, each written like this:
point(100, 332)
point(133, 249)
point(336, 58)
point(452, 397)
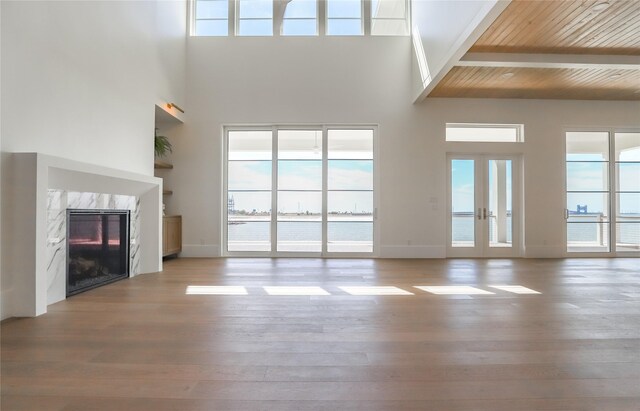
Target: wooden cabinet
point(171, 235)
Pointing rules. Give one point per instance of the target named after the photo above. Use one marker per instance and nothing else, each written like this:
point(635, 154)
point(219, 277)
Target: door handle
point(566, 213)
point(484, 213)
point(479, 214)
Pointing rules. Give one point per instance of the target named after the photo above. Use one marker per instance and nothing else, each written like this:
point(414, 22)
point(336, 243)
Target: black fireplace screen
point(98, 248)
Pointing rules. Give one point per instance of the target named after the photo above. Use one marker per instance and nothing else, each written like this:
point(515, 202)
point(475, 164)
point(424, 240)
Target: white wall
point(80, 80)
point(171, 59)
point(365, 80)
point(3, 300)
point(279, 80)
point(543, 152)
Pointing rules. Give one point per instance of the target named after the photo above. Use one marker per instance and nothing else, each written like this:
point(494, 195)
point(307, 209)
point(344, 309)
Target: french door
point(299, 191)
point(484, 212)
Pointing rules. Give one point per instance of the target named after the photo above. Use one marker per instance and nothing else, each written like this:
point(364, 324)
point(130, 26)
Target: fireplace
point(97, 248)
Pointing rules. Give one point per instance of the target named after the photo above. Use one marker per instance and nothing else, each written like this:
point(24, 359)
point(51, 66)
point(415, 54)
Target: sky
point(589, 172)
point(343, 175)
point(462, 185)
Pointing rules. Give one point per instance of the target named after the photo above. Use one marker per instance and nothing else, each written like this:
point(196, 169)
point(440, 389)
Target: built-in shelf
point(166, 116)
point(162, 165)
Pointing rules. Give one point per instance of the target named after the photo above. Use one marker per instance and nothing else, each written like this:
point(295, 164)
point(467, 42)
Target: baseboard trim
point(544, 251)
point(5, 305)
point(412, 251)
point(200, 251)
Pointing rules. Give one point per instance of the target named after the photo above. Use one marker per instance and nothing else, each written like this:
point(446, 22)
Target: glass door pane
point(587, 182)
point(350, 191)
point(299, 222)
point(463, 203)
point(627, 169)
point(249, 191)
point(499, 216)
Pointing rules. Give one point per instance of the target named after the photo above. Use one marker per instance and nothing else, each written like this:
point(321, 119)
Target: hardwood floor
point(144, 344)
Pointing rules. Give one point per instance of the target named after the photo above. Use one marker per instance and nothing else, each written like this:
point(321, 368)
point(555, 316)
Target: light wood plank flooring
point(144, 344)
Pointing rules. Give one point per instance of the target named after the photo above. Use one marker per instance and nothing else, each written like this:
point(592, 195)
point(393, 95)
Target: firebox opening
point(97, 248)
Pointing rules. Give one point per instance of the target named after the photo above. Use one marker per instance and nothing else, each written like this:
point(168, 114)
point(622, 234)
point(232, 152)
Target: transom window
point(344, 18)
point(255, 18)
point(299, 17)
point(299, 190)
point(485, 133)
point(211, 18)
point(389, 17)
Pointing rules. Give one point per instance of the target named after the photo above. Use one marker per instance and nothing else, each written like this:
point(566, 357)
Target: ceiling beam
point(463, 43)
point(552, 61)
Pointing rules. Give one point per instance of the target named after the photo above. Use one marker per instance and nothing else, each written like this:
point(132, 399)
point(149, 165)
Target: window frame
point(406, 19)
point(365, 13)
point(274, 190)
point(237, 19)
point(317, 19)
point(322, 21)
point(612, 193)
point(519, 128)
point(193, 4)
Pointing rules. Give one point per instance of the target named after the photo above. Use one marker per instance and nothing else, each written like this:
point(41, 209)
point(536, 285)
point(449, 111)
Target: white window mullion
point(613, 214)
point(225, 197)
point(278, 18)
point(325, 172)
point(366, 17)
point(232, 17)
point(192, 17)
point(322, 17)
point(274, 191)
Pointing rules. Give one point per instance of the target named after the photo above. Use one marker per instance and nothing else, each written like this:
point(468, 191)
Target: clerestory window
point(299, 17)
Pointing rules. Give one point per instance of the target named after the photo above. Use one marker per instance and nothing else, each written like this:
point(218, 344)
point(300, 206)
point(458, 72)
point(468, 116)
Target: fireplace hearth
point(97, 248)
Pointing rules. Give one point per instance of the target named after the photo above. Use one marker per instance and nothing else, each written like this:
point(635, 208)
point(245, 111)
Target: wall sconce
point(172, 105)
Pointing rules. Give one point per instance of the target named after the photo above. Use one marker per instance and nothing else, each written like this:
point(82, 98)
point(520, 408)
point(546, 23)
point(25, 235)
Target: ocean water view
point(358, 235)
point(581, 230)
point(342, 236)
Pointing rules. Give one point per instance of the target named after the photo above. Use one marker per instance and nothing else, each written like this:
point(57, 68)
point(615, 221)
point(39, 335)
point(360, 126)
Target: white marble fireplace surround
point(42, 188)
point(58, 201)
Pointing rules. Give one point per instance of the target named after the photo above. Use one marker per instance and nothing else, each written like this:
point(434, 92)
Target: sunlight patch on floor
point(453, 290)
point(374, 290)
point(215, 290)
point(516, 289)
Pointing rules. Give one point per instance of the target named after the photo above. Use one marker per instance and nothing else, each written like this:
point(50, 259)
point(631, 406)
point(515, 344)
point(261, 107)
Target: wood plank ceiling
point(556, 27)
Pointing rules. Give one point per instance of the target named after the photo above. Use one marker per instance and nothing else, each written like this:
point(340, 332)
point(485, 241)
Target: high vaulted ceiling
point(559, 49)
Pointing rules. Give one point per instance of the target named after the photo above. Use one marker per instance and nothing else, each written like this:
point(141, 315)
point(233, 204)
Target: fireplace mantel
point(24, 226)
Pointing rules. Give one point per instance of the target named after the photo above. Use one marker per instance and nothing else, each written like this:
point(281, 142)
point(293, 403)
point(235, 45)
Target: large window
point(299, 190)
point(627, 198)
point(350, 190)
point(587, 211)
point(319, 181)
point(601, 190)
point(249, 165)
